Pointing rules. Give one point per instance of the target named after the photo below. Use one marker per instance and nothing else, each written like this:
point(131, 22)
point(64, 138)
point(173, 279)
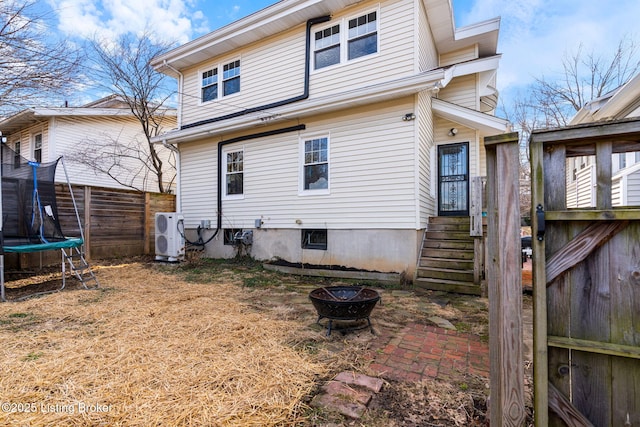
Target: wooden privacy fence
point(116, 223)
point(586, 283)
point(504, 279)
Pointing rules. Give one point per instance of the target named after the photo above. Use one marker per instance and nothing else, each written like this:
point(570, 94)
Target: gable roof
point(620, 103)
point(287, 14)
point(109, 106)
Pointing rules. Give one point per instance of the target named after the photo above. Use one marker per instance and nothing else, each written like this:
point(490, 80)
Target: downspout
point(221, 144)
point(178, 182)
point(304, 95)
point(180, 83)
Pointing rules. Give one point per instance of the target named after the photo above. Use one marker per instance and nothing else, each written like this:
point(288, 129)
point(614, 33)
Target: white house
point(332, 129)
point(618, 104)
point(44, 134)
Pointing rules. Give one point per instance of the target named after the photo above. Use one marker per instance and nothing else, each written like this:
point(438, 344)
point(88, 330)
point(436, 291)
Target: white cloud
point(170, 20)
point(535, 35)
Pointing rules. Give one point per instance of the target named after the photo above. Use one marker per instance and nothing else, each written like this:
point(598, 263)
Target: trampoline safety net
point(29, 210)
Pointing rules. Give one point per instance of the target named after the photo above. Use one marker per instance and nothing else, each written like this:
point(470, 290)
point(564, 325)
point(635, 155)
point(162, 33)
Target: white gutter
point(178, 180)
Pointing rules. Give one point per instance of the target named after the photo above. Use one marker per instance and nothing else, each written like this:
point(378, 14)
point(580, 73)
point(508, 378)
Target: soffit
point(449, 39)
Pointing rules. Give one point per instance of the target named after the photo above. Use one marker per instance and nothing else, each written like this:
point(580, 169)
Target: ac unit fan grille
point(162, 245)
point(162, 223)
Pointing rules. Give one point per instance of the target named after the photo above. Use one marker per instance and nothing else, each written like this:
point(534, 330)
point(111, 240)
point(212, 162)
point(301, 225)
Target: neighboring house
point(44, 134)
point(619, 104)
point(333, 130)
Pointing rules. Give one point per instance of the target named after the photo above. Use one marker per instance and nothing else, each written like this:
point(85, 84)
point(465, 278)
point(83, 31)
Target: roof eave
point(486, 124)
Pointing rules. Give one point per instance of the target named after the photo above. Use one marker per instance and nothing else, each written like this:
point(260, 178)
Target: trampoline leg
point(64, 270)
point(2, 297)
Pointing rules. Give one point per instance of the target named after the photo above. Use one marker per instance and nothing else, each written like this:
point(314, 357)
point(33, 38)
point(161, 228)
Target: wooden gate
point(586, 283)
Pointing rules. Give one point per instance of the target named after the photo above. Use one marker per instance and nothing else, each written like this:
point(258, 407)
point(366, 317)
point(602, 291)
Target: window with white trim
point(361, 39)
point(315, 167)
point(234, 173)
point(326, 47)
point(231, 78)
point(37, 148)
point(363, 35)
point(16, 157)
point(210, 85)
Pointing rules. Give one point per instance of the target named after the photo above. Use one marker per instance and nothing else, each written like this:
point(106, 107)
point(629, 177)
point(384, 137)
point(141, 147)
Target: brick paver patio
point(420, 352)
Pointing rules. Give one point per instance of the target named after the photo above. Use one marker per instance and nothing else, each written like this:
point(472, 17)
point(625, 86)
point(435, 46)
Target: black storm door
point(453, 179)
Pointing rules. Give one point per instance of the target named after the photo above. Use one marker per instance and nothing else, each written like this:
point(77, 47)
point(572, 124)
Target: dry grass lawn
point(149, 349)
point(209, 343)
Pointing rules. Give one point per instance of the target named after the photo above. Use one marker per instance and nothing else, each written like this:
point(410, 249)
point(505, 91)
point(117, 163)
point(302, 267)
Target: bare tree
point(122, 67)
point(551, 102)
point(33, 65)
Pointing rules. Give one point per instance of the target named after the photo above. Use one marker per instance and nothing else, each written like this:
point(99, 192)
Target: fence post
point(504, 278)
point(147, 223)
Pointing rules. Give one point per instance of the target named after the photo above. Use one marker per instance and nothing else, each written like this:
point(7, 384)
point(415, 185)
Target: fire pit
point(344, 303)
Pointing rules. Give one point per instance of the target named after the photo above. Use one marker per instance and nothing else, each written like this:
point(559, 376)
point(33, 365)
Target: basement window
point(314, 239)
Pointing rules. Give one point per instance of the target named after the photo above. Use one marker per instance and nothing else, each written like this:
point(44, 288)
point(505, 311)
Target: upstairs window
point(316, 164)
point(327, 47)
point(37, 148)
point(363, 35)
point(231, 78)
point(234, 167)
point(210, 85)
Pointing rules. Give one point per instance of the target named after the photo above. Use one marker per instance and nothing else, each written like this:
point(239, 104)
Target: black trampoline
point(29, 220)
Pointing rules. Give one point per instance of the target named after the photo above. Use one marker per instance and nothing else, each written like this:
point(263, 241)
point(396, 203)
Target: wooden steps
point(447, 257)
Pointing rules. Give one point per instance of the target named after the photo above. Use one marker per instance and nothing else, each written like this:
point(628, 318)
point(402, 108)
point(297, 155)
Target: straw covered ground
point(148, 349)
point(207, 343)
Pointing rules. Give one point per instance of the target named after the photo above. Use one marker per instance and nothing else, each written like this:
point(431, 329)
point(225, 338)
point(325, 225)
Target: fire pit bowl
point(344, 303)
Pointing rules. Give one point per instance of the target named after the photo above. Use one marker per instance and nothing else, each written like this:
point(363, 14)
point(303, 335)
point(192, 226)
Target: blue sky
point(534, 35)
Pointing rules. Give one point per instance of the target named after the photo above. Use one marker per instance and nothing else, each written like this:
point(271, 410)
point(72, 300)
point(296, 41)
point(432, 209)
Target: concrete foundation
point(387, 251)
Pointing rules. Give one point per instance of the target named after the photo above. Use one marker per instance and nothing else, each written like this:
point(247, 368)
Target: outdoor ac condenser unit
point(169, 236)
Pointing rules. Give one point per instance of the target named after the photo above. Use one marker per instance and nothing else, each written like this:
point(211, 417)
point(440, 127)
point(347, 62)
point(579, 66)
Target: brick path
point(420, 352)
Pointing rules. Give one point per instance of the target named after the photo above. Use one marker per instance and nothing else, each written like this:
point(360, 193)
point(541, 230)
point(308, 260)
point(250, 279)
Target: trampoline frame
point(67, 243)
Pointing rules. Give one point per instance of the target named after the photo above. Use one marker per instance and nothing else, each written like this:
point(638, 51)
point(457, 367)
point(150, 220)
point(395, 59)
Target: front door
point(453, 179)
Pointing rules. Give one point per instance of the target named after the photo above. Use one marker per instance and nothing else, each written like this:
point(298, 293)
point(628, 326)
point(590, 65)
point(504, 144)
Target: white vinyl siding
point(198, 167)
point(426, 187)
point(427, 53)
point(27, 141)
point(72, 133)
point(633, 189)
point(283, 55)
point(395, 57)
point(462, 55)
point(461, 91)
point(617, 189)
point(372, 154)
